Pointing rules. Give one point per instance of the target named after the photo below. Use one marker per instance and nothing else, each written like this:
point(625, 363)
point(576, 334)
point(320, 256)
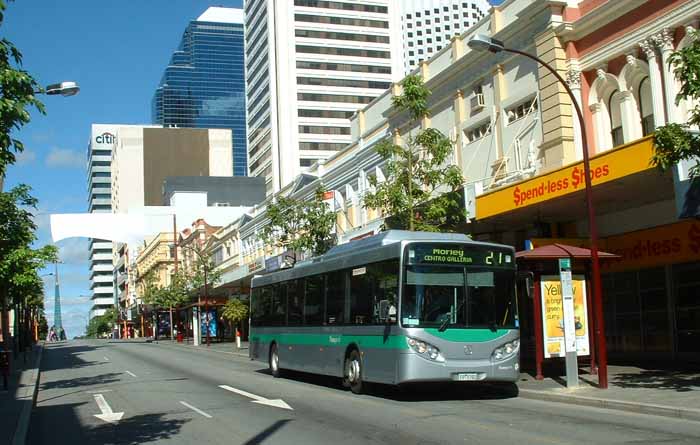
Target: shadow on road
point(136, 430)
point(267, 432)
point(101, 379)
point(69, 356)
point(414, 392)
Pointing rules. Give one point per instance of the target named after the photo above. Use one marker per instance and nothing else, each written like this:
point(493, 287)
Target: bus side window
point(313, 300)
point(295, 302)
point(335, 297)
point(361, 301)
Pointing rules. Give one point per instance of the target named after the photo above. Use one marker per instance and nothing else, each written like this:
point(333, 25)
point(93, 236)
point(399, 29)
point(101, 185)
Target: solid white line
point(195, 409)
point(130, 373)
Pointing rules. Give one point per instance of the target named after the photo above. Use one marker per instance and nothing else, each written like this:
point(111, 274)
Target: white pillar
point(603, 140)
point(665, 42)
point(631, 127)
point(656, 84)
point(196, 332)
point(573, 78)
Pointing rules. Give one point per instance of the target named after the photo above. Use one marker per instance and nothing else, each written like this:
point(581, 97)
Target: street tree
point(420, 189)
point(235, 311)
point(19, 261)
point(102, 324)
point(300, 226)
point(674, 142)
point(17, 98)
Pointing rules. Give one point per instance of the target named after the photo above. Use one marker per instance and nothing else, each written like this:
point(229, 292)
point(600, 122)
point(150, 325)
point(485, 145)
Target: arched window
point(645, 106)
point(615, 119)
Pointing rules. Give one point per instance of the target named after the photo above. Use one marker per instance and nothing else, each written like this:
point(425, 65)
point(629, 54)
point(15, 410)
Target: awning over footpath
point(621, 178)
point(553, 251)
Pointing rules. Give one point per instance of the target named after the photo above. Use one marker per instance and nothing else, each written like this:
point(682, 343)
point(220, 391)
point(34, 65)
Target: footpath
point(17, 402)
point(649, 390)
point(646, 390)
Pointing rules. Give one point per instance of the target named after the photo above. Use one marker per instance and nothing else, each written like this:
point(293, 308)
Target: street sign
point(564, 263)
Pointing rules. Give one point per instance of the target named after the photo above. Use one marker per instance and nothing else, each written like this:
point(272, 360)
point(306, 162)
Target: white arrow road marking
point(106, 359)
point(277, 403)
point(107, 414)
point(130, 373)
point(195, 409)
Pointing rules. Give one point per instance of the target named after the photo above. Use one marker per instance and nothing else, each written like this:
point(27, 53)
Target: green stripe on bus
point(468, 335)
point(368, 341)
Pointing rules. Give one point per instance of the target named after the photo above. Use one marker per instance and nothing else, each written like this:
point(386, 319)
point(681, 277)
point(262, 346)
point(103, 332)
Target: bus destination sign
point(456, 254)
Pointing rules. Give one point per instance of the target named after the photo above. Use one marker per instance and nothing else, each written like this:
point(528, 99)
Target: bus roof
point(375, 248)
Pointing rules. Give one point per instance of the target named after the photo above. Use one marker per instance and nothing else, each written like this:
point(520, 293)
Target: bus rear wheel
point(352, 372)
point(274, 361)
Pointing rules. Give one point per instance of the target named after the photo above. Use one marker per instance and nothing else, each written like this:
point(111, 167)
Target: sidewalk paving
point(16, 403)
point(648, 390)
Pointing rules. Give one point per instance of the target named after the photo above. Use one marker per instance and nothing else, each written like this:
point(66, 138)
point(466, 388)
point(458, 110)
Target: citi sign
point(106, 138)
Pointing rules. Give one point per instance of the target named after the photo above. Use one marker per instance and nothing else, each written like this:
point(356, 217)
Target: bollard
point(238, 339)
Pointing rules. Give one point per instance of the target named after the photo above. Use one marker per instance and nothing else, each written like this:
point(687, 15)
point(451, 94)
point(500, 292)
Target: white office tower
point(427, 26)
point(99, 183)
point(310, 64)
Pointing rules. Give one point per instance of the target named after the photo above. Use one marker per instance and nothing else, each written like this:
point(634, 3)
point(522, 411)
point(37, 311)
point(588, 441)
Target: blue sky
point(116, 50)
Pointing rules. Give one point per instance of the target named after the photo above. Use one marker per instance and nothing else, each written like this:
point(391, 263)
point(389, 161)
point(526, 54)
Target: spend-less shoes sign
point(608, 166)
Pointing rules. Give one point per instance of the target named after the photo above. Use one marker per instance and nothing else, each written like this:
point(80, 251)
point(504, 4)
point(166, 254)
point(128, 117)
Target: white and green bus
point(393, 308)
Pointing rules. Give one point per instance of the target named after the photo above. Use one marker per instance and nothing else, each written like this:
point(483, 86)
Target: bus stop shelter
point(541, 312)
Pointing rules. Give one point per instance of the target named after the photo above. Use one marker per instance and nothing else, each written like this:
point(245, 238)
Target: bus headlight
point(506, 351)
point(425, 349)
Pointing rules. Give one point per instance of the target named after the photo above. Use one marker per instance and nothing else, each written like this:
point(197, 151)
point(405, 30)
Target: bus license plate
point(466, 376)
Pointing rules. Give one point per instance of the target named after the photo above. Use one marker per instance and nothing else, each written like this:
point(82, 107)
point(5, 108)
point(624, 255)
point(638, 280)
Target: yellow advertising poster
point(553, 315)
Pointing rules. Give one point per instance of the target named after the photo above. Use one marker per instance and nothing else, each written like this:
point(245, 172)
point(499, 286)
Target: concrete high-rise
point(103, 140)
point(204, 83)
point(310, 65)
point(426, 26)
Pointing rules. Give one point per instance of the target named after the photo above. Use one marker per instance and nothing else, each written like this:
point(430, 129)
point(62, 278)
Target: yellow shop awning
point(620, 176)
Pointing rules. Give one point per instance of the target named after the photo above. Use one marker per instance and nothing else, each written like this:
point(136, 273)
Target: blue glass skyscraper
point(204, 84)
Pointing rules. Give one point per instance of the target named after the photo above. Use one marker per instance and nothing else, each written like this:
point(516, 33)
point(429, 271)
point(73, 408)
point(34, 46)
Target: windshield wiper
point(443, 326)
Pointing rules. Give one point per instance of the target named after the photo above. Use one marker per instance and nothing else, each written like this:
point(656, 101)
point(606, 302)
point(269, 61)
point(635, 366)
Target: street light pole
point(485, 43)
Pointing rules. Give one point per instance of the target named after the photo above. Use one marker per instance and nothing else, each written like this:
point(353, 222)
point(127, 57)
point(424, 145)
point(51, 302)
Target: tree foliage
point(419, 192)
point(101, 325)
point(235, 311)
point(675, 142)
point(17, 97)
point(20, 284)
point(299, 226)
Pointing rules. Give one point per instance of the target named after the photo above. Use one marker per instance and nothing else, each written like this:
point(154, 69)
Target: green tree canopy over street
point(299, 225)
point(419, 192)
point(20, 284)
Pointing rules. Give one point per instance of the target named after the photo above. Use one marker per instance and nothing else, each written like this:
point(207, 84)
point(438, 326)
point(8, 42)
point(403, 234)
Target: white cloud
point(65, 158)
point(26, 157)
point(73, 250)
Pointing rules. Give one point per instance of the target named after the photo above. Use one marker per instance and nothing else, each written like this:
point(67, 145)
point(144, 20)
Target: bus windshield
point(458, 297)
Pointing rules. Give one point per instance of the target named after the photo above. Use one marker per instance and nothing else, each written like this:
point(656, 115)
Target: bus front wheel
point(274, 361)
point(352, 376)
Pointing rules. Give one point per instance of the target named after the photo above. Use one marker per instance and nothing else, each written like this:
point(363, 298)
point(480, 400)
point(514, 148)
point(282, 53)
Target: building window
point(645, 107)
point(522, 110)
point(615, 119)
point(479, 132)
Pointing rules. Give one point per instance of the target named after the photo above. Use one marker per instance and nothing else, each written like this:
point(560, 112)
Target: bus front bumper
point(414, 368)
